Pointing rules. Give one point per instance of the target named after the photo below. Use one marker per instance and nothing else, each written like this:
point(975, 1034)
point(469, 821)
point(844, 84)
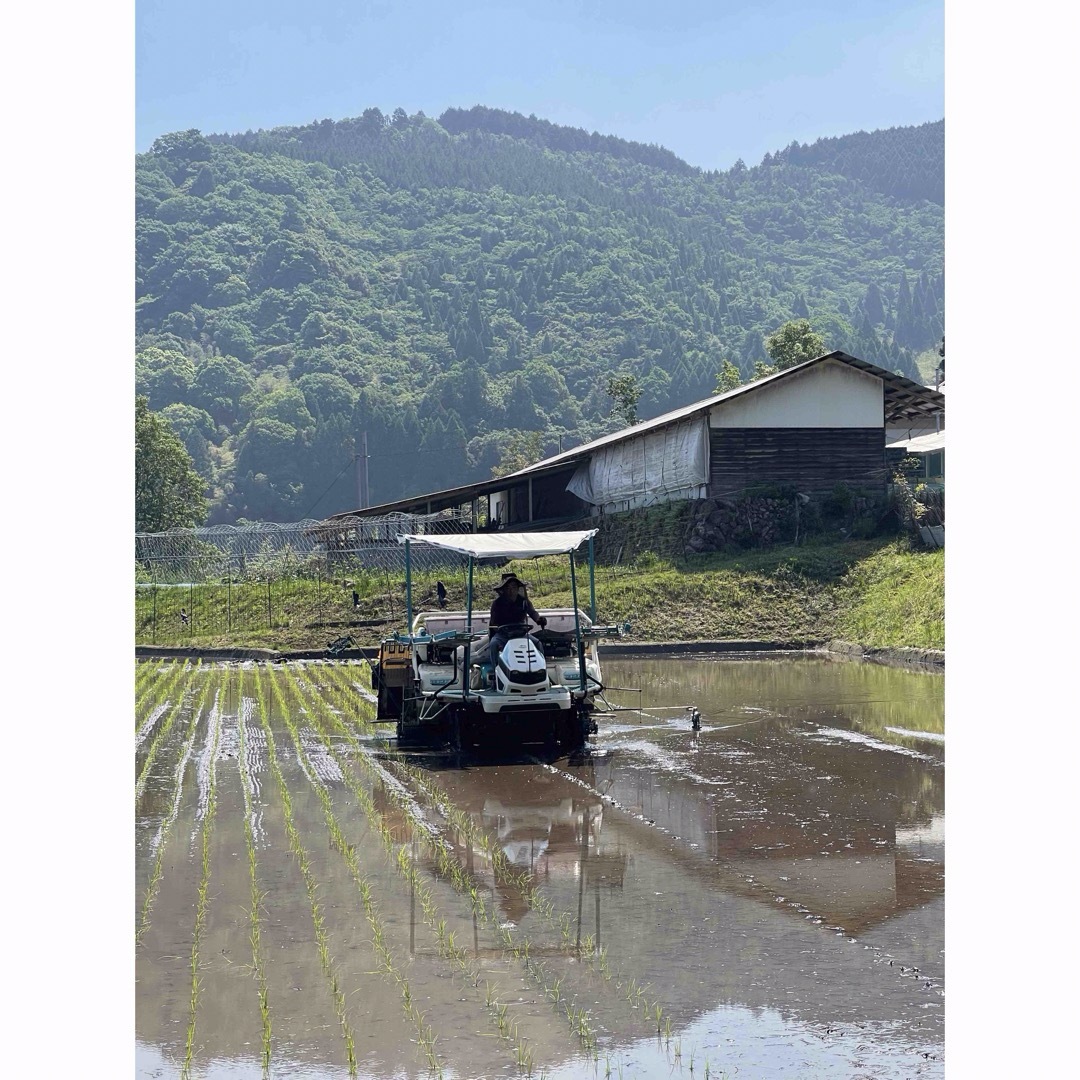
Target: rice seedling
point(157, 845)
point(151, 686)
point(309, 880)
point(163, 732)
point(203, 902)
point(146, 677)
point(256, 896)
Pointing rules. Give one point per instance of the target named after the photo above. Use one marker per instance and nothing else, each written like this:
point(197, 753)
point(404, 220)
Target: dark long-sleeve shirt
point(505, 611)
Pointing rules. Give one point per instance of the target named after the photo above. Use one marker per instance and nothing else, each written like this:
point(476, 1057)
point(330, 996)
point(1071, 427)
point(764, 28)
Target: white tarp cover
point(669, 460)
point(505, 545)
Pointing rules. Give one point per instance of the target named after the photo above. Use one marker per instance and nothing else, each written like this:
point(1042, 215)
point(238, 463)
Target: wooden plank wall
point(812, 459)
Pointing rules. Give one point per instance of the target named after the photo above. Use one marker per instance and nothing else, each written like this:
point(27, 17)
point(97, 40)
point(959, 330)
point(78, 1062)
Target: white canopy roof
point(504, 545)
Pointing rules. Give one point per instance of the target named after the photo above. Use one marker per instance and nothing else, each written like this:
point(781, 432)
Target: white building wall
point(830, 395)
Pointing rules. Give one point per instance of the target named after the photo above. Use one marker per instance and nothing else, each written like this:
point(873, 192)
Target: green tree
point(219, 385)
point(195, 428)
point(794, 343)
point(163, 376)
point(168, 490)
point(624, 392)
point(522, 448)
point(727, 378)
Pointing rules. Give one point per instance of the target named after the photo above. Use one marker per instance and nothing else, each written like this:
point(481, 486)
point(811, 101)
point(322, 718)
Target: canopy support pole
point(408, 590)
point(592, 583)
point(577, 630)
point(467, 662)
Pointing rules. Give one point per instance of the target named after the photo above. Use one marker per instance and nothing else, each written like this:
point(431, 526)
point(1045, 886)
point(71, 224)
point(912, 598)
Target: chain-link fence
point(269, 551)
point(315, 581)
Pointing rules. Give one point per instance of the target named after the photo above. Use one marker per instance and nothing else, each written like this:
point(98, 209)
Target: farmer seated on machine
point(511, 607)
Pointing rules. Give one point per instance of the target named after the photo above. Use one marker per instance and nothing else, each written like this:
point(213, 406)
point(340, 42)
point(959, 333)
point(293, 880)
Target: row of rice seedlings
point(153, 697)
point(146, 671)
point(257, 896)
point(450, 869)
point(157, 687)
point(157, 845)
point(406, 868)
point(203, 902)
point(371, 911)
point(163, 731)
point(146, 674)
point(310, 883)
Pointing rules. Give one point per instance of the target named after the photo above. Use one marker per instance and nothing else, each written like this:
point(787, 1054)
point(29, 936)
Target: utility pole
point(360, 460)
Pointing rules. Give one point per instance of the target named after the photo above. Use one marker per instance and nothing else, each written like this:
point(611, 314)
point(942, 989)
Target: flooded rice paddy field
point(762, 897)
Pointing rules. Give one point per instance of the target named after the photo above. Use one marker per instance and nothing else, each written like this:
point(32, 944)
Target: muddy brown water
point(772, 883)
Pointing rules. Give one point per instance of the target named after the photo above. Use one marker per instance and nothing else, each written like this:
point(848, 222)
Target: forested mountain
point(439, 284)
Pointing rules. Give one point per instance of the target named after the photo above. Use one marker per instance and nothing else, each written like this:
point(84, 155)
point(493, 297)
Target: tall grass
point(897, 598)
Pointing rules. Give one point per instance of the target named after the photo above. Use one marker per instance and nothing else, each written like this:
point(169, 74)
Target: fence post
point(191, 605)
point(269, 604)
point(228, 605)
point(153, 627)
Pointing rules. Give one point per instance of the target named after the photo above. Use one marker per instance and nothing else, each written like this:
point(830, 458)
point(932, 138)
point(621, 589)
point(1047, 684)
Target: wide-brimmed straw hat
point(510, 579)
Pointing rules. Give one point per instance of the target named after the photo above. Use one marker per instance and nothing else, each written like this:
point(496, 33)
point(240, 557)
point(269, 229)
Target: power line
point(327, 491)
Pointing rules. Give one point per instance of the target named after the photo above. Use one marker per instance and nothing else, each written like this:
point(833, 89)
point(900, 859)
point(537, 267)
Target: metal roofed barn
point(812, 425)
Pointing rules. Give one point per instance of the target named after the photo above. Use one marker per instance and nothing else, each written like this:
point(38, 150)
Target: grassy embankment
point(876, 593)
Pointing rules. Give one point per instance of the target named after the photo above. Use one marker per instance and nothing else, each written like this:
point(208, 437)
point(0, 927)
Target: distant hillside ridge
point(906, 162)
point(558, 137)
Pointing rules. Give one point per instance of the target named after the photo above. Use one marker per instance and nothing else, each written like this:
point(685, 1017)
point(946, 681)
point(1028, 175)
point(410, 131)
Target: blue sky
point(712, 81)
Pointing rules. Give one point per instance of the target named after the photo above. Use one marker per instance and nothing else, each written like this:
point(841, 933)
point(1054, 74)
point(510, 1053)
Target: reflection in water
point(546, 833)
point(796, 780)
